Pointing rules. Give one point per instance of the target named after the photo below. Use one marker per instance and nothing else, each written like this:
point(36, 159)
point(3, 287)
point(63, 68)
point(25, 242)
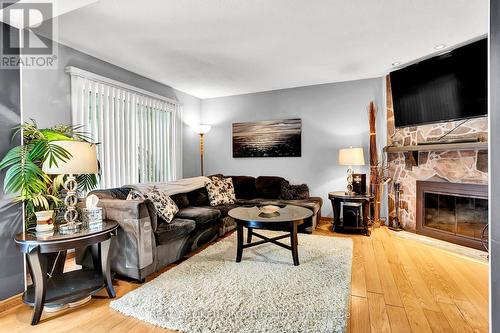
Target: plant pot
point(44, 220)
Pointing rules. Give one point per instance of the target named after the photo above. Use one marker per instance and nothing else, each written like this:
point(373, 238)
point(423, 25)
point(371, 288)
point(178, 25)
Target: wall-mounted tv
point(447, 87)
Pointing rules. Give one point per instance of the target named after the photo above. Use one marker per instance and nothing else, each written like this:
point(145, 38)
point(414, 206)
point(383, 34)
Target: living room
point(279, 166)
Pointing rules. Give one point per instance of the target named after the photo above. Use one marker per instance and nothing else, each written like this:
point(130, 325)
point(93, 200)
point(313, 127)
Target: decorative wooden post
point(374, 174)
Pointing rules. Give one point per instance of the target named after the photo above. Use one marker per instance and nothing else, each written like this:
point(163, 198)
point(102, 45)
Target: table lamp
point(202, 130)
point(351, 157)
point(83, 160)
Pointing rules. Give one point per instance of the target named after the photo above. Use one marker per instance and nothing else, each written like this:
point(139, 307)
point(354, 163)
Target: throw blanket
point(174, 187)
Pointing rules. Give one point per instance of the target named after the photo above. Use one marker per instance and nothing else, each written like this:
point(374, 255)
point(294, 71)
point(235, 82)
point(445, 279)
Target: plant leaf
point(56, 154)
point(12, 157)
point(87, 182)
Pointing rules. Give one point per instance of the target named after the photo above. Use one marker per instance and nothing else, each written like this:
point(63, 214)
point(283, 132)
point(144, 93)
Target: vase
point(44, 221)
point(377, 192)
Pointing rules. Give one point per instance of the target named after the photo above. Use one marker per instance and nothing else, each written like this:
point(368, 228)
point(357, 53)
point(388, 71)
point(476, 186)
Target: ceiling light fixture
point(439, 46)
point(397, 63)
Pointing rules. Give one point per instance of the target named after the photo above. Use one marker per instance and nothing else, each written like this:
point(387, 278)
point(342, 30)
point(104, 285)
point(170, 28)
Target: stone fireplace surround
point(455, 166)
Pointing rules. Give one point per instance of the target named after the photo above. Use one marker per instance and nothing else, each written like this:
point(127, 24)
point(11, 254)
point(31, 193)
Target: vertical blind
point(137, 131)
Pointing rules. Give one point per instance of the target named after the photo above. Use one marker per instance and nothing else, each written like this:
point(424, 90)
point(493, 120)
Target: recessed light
point(397, 63)
point(439, 46)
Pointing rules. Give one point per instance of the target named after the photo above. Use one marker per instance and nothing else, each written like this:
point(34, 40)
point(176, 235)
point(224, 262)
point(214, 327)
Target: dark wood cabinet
point(351, 212)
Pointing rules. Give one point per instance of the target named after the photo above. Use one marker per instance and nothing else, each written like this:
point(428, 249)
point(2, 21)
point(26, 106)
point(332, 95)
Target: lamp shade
point(202, 129)
point(83, 159)
point(351, 156)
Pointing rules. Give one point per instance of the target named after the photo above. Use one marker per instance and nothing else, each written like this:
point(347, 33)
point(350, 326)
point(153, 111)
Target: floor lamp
point(202, 130)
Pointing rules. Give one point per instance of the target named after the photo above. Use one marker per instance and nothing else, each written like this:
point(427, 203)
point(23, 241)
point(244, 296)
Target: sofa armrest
point(123, 210)
point(319, 200)
point(134, 248)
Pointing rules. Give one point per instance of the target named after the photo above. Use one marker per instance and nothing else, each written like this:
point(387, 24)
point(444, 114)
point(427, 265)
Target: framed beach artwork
point(269, 138)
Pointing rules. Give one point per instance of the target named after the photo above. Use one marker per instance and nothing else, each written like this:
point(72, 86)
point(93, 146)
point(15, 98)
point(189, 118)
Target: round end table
point(46, 255)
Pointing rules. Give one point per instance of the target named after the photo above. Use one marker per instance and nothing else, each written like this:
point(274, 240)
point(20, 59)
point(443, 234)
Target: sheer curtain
point(138, 131)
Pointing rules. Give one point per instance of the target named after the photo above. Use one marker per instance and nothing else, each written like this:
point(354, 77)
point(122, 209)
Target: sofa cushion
point(181, 200)
point(244, 187)
point(177, 228)
point(200, 215)
point(294, 192)
point(224, 209)
point(198, 197)
point(220, 191)
point(251, 202)
point(312, 203)
point(268, 187)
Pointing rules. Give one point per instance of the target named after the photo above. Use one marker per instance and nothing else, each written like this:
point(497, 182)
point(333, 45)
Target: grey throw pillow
point(294, 192)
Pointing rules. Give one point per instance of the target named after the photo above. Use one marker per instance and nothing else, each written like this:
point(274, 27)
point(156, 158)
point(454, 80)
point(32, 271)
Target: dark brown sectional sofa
point(145, 244)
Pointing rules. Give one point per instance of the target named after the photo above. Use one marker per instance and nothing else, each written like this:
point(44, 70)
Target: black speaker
point(359, 183)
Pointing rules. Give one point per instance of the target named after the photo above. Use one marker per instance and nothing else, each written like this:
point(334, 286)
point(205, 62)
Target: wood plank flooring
point(398, 286)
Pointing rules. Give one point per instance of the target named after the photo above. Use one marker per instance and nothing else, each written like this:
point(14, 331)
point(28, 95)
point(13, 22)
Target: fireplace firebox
point(453, 212)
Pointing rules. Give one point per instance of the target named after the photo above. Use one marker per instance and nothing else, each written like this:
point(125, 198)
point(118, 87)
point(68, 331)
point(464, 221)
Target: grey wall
point(494, 116)
point(333, 116)
point(190, 140)
point(11, 260)
point(46, 93)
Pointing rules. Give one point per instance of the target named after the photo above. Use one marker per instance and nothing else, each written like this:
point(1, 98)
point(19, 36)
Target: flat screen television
point(447, 87)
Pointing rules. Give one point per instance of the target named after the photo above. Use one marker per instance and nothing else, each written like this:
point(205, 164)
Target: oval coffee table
point(288, 219)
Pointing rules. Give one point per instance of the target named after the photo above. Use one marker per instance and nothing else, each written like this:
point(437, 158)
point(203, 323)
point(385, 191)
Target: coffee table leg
point(38, 264)
point(239, 251)
point(294, 243)
point(105, 266)
point(249, 236)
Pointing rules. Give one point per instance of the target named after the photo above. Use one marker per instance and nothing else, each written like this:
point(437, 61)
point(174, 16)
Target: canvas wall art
point(269, 138)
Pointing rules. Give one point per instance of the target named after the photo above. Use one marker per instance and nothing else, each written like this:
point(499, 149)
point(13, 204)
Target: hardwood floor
point(398, 286)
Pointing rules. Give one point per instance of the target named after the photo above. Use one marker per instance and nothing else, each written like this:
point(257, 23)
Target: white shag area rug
point(210, 292)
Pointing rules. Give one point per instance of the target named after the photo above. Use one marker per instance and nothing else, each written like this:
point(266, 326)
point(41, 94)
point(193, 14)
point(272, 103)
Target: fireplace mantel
point(438, 147)
point(411, 152)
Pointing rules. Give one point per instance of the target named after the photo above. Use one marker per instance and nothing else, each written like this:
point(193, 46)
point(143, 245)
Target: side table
point(46, 255)
point(337, 198)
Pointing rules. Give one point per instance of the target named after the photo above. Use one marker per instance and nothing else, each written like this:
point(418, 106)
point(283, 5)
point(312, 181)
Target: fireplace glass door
point(464, 216)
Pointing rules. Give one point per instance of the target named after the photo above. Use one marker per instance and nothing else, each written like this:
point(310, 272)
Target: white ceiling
point(212, 48)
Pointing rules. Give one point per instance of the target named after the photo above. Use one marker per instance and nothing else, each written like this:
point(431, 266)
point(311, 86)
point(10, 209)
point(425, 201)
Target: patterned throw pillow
point(164, 205)
point(230, 189)
point(220, 191)
point(135, 195)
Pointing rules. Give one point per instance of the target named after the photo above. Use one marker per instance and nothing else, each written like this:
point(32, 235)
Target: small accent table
point(338, 198)
point(251, 218)
point(46, 255)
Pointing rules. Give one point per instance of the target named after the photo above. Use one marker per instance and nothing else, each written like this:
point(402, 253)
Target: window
point(137, 130)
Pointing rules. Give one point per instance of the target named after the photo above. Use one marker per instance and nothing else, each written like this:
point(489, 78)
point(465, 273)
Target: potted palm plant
point(25, 178)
